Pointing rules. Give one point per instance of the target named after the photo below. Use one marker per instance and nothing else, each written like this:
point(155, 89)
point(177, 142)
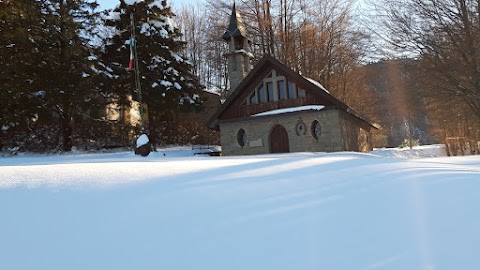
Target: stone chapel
point(273, 109)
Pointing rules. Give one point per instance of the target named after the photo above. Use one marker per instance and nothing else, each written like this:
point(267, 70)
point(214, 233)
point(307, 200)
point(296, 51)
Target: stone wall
point(298, 126)
point(355, 134)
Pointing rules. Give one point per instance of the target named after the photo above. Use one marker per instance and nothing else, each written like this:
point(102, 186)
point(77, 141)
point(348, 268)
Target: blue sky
point(112, 3)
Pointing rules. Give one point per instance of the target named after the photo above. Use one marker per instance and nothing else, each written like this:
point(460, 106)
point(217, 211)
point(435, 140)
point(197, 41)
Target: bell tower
point(238, 55)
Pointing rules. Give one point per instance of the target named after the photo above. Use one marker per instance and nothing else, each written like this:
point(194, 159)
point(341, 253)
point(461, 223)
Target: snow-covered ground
point(345, 211)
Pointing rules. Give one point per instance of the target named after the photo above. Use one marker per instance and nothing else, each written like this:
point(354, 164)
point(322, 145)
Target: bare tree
point(317, 38)
point(203, 27)
point(445, 35)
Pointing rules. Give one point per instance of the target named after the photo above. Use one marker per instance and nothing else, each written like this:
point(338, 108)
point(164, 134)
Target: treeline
point(62, 63)
point(64, 77)
point(413, 68)
point(441, 38)
point(317, 38)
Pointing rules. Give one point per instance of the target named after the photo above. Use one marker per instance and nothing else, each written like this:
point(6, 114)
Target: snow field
point(292, 211)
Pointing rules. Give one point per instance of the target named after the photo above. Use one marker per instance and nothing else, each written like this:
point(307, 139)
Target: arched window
point(316, 129)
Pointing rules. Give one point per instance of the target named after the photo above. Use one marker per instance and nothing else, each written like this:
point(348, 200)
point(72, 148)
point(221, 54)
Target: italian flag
point(130, 64)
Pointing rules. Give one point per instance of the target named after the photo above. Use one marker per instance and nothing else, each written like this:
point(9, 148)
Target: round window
point(316, 129)
point(242, 137)
point(300, 128)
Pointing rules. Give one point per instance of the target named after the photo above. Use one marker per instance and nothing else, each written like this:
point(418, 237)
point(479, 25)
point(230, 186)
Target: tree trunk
point(67, 133)
point(410, 131)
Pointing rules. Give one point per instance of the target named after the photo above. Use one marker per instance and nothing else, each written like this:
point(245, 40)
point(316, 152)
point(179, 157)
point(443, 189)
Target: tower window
point(238, 44)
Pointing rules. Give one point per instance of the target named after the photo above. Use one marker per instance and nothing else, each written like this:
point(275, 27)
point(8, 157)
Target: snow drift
point(292, 211)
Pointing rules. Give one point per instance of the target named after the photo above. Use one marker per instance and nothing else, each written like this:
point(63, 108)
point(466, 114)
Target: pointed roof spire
point(235, 27)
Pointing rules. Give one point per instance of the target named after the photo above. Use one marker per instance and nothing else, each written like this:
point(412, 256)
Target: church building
point(273, 109)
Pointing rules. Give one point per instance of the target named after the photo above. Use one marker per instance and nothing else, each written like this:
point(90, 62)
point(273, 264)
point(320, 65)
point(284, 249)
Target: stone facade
point(238, 67)
point(299, 129)
point(356, 134)
point(342, 129)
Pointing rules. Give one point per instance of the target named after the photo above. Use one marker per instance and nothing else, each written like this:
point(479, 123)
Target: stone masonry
point(298, 126)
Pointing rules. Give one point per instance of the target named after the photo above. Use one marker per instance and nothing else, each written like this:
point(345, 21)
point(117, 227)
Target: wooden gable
point(241, 105)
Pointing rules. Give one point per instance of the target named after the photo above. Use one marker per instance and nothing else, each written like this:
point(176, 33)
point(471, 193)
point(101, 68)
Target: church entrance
point(279, 140)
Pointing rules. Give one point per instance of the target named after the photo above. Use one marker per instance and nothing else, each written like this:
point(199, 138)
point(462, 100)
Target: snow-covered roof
point(289, 110)
point(319, 85)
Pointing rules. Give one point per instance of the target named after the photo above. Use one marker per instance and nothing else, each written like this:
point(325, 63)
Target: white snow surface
point(289, 110)
point(142, 140)
point(319, 85)
point(417, 152)
point(249, 54)
point(173, 210)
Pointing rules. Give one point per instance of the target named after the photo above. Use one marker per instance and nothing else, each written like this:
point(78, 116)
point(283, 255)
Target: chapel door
point(279, 140)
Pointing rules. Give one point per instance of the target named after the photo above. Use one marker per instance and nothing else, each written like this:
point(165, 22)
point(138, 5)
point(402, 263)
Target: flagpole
point(138, 87)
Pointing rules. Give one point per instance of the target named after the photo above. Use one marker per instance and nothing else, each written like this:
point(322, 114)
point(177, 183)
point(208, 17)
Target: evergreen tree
point(48, 70)
point(165, 75)
point(21, 68)
point(68, 73)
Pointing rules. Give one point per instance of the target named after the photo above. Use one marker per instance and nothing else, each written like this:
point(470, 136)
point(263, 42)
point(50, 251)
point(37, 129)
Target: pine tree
point(165, 75)
point(46, 70)
point(67, 75)
point(20, 71)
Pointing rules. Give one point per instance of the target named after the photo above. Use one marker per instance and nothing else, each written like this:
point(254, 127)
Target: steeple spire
point(235, 27)
point(238, 55)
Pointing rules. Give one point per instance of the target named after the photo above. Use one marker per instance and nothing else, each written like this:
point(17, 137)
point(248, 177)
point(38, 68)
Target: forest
point(412, 69)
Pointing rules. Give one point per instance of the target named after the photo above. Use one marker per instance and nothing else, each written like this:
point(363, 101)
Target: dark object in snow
point(143, 146)
point(211, 153)
point(143, 150)
point(207, 150)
